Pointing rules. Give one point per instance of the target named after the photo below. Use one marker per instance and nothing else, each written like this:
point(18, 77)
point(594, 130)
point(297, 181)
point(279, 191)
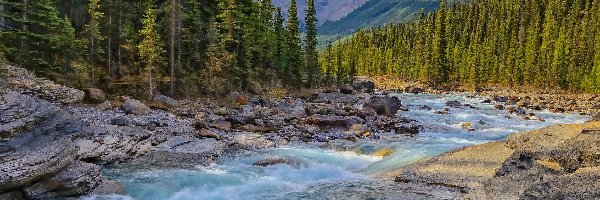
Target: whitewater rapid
point(322, 173)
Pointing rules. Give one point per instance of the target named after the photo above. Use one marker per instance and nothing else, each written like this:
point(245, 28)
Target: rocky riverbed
point(54, 146)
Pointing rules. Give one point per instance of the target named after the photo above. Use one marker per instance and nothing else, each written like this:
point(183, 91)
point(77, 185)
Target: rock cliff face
point(327, 10)
point(529, 165)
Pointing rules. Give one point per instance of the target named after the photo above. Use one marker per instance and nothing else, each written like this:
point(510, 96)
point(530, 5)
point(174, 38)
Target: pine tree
point(150, 48)
point(94, 36)
point(439, 71)
point(311, 43)
point(294, 47)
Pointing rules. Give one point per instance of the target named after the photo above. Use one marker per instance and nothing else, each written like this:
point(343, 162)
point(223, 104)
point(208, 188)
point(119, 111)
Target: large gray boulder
point(166, 101)
point(109, 144)
point(95, 95)
point(183, 151)
point(384, 105)
point(136, 107)
point(77, 179)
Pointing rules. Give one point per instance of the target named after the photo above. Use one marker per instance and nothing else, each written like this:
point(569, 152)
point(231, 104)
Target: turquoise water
point(318, 173)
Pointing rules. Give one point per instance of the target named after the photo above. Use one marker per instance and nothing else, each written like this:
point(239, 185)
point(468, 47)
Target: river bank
point(43, 124)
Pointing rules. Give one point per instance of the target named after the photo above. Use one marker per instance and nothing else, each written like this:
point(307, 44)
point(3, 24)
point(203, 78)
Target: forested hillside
point(327, 10)
point(167, 46)
point(541, 43)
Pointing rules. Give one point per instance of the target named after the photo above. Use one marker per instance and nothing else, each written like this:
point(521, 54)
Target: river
point(316, 173)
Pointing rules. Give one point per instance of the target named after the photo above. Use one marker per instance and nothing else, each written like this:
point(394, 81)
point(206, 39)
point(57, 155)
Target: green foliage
point(33, 35)
point(294, 48)
point(150, 48)
point(543, 43)
point(312, 65)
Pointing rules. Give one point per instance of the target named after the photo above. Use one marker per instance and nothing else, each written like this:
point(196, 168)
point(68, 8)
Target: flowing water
point(325, 174)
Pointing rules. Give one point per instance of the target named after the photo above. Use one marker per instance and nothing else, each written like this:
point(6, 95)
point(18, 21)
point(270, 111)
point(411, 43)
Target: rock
point(499, 107)
point(208, 134)
point(109, 187)
point(385, 152)
point(596, 117)
point(359, 130)
point(271, 161)
point(454, 104)
point(255, 88)
point(523, 103)
point(132, 106)
point(12, 195)
point(95, 95)
point(363, 84)
point(221, 125)
point(166, 101)
point(384, 105)
point(21, 81)
point(120, 121)
point(78, 179)
point(407, 130)
point(148, 126)
point(183, 151)
point(424, 107)
point(106, 105)
point(236, 99)
point(580, 152)
point(414, 90)
point(329, 121)
point(109, 144)
point(500, 99)
point(249, 141)
point(579, 185)
point(442, 112)
point(346, 89)
point(487, 101)
point(467, 126)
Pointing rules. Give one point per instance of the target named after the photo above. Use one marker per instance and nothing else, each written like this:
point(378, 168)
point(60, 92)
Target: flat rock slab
point(183, 151)
point(77, 179)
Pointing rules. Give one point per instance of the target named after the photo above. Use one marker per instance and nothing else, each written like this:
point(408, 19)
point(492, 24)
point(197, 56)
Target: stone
point(499, 107)
point(166, 101)
point(249, 141)
point(183, 151)
point(384, 105)
point(359, 129)
point(487, 101)
point(385, 152)
point(271, 161)
point(221, 125)
point(78, 179)
point(208, 134)
point(467, 126)
point(363, 84)
point(109, 187)
point(596, 117)
point(22, 81)
point(120, 121)
point(255, 88)
point(106, 105)
point(523, 103)
point(110, 144)
point(136, 107)
point(346, 89)
point(95, 95)
point(414, 90)
point(407, 130)
point(454, 104)
point(330, 121)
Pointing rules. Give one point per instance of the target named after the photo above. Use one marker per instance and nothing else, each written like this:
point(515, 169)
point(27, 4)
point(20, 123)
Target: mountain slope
point(327, 10)
point(376, 13)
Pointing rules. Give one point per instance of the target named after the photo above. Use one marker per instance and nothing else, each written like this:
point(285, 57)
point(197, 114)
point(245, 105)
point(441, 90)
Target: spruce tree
point(294, 48)
point(311, 43)
point(94, 36)
point(150, 48)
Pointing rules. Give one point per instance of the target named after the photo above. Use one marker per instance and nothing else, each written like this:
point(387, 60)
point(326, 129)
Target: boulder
point(523, 103)
point(166, 101)
point(499, 106)
point(110, 144)
point(384, 105)
point(120, 121)
point(346, 89)
point(414, 90)
point(109, 187)
point(385, 152)
point(246, 140)
point(76, 180)
point(363, 85)
point(255, 88)
point(596, 117)
point(330, 121)
point(407, 130)
point(454, 104)
point(183, 151)
point(12, 195)
point(106, 105)
point(136, 107)
point(95, 95)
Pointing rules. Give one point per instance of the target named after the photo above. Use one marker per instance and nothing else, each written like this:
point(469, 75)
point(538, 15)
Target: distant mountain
point(375, 13)
point(327, 10)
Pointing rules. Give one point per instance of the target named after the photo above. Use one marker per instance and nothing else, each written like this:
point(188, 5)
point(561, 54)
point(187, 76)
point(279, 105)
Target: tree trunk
point(110, 70)
point(172, 45)
point(119, 64)
point(23, 38)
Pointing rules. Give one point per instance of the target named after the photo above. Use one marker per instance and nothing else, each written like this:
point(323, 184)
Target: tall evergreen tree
point(311, 43)
point(294, 47)
point(94, 36)
point(150, 48)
